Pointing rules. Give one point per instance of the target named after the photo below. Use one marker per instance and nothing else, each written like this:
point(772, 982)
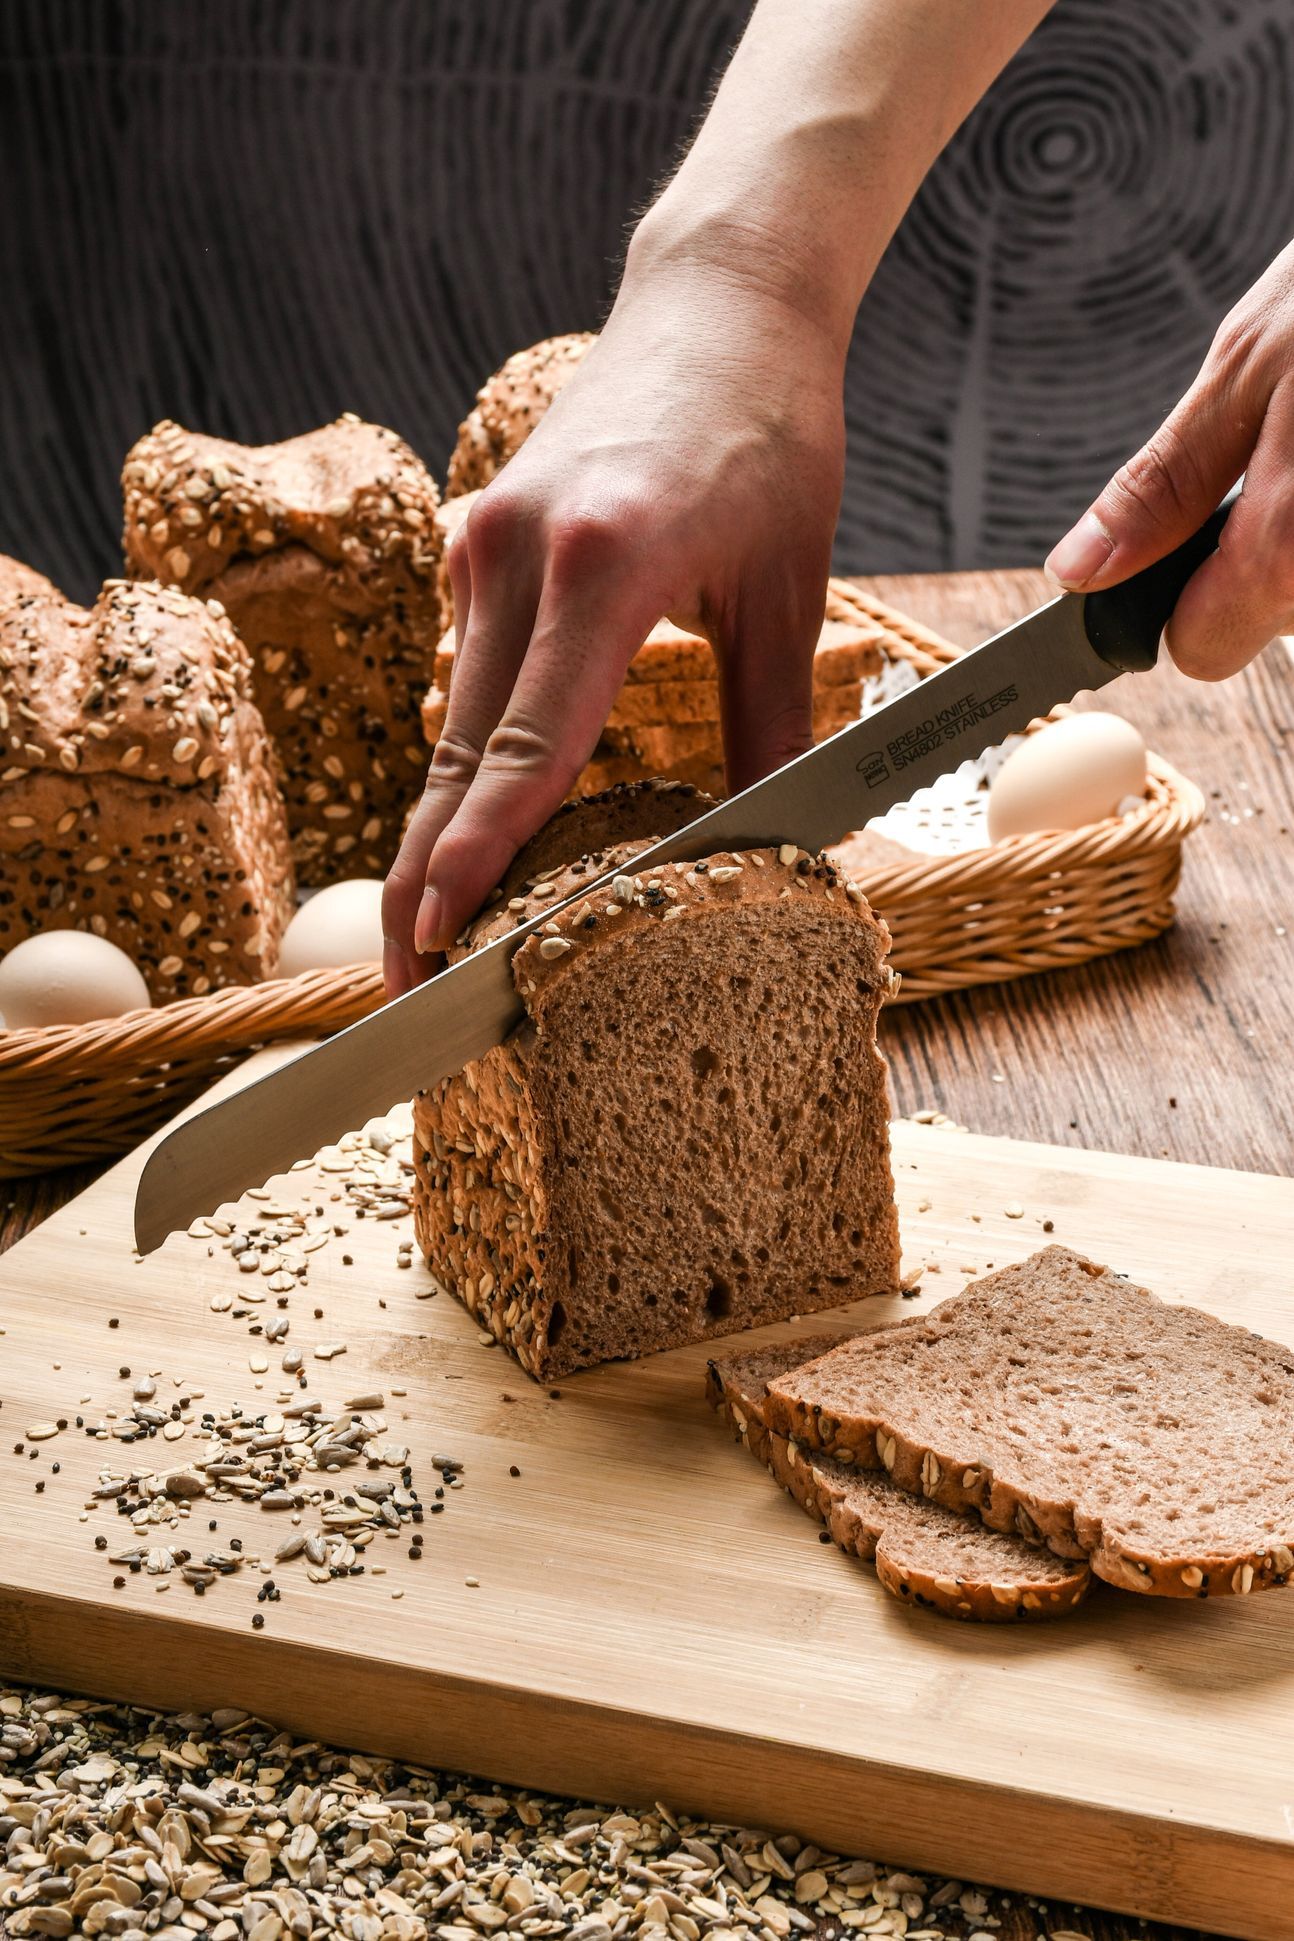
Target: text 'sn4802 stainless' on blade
point(436, 1029)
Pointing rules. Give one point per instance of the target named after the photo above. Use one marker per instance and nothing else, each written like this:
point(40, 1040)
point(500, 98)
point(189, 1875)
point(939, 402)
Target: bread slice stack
point(923, 1554)
point(665, 721)
point(689, 1132)
point(1057, 1404)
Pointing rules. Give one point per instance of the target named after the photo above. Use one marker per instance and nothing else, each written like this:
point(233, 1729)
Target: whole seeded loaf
point(137, 793)
point(689, 1133)
point(923, 1554)
point(508, 407)
point(1058, 1400)
point(324, 551)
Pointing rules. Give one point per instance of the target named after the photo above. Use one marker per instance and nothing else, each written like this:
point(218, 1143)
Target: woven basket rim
point(241, 1016)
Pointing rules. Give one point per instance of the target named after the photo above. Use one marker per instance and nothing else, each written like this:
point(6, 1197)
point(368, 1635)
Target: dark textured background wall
point(252, 215)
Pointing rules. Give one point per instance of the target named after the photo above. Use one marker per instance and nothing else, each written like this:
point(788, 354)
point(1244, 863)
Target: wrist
point(691, 241)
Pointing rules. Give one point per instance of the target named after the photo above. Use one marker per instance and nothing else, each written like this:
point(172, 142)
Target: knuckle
point(519, 746)
point(586, 542)
point(395, 898)
point(491, 527)
point(1235, 341)
point(454, 761)
point(1161, 483)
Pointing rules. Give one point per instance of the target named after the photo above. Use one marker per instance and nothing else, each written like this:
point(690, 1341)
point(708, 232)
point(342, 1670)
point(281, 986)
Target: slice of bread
point(1062, 1402)
point(923, 1554)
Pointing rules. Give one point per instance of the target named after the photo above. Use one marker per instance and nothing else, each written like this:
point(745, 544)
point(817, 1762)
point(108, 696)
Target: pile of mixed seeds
point(124, 1823)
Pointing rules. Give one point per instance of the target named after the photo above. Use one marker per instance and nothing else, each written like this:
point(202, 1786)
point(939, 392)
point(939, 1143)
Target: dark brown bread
point(324, 552)
point(1060, 1401)
point(923, 1554)
point(137, 795)
point(689, 1134)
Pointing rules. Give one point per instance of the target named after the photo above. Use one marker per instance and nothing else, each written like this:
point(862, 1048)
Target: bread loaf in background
point(324, 551)
point(137, 795)
point(665, 721)
point(689, 1133)
point(508, 407)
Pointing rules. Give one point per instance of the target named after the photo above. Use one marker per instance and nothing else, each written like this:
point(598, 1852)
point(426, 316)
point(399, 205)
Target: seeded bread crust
point(923, 1554)
point(641, 812)
point(324, 550)
point(508, 407)
point(19, 582)
point(506, 1169)
point(137, 793)
point(1059, 1401)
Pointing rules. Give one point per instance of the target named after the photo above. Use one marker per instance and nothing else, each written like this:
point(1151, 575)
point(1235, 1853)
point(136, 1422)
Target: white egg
point(1072, 772)
point(67, 977)
point(339, 925)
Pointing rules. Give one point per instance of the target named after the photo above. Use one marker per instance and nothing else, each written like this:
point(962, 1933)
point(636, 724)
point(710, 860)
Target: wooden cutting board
point(638, 1613)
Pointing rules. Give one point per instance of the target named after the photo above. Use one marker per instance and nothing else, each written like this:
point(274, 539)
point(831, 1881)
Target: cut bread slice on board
point(1060, 1401)
point(923, 1554)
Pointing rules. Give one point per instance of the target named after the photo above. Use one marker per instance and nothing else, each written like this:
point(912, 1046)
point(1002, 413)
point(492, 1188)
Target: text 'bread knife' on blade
point(1075, 642)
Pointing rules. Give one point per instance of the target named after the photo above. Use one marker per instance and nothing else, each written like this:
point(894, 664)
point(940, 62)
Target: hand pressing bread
point(658, 483)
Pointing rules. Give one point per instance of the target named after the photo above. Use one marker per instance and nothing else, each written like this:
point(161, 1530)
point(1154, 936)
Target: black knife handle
point(1124, 623)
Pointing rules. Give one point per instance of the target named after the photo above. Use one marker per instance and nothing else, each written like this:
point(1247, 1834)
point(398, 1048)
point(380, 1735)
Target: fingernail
point(427, 926)
point(1081, 553)
point(395, 969)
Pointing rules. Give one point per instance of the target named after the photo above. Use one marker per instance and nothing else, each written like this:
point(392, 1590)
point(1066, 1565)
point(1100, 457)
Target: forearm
point(829, 115)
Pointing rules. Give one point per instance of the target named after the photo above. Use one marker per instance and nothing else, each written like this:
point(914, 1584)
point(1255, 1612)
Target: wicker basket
point(84, 1092)
point(1028, 903)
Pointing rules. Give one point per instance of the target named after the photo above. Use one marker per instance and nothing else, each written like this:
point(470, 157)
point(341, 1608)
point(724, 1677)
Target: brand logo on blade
point(936, 731)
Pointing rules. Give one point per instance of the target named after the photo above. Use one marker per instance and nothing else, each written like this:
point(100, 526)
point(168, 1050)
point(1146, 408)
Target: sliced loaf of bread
point(1060, 1401)
point(923, 1554)
point(689, 1132)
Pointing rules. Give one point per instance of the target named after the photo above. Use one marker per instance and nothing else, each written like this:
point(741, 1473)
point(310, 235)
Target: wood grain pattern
point(621, 1640)
point(1181, 1048)
point(1114, 1039)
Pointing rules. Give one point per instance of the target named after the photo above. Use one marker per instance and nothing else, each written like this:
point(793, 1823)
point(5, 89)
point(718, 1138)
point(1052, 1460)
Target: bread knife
point(1073, 643)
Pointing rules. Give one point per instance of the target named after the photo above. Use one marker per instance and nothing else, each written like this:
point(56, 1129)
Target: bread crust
point(1023, 1491)
point(137, 793)
point(868, 1518)
point(508, 407)
point(489, 1150)
point(325, 552)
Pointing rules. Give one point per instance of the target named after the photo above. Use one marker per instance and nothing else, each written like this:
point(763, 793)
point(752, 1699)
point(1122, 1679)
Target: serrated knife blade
point(1072, 644)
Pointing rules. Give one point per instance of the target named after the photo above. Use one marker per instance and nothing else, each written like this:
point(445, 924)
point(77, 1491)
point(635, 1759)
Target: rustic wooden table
point(1179, 1049)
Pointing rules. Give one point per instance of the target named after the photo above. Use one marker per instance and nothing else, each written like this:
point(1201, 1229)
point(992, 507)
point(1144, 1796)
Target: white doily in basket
point(951, 816)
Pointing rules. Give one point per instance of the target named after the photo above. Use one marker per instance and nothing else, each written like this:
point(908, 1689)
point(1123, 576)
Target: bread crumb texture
point(689, 1133)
